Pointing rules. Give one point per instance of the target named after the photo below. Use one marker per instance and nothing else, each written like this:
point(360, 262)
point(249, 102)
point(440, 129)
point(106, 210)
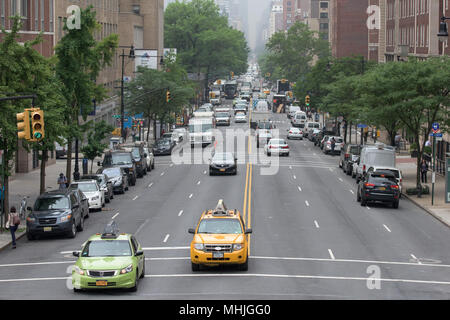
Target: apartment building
point(276, 18)
point(319, 17)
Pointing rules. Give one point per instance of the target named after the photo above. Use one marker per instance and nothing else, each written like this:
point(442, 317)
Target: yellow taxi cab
point(220, 238)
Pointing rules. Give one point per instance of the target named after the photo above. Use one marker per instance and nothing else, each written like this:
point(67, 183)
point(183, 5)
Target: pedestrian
point(13, 224)
point(397, 140)
point(62, 181)
point(333, 144)
point(423, 170)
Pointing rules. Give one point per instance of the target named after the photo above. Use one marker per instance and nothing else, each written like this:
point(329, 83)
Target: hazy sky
point(256, 9)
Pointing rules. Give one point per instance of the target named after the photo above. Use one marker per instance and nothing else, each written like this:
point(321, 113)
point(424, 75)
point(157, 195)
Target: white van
point(292, 110)
point(299, 119)
point(309, 127)
point(378, 155)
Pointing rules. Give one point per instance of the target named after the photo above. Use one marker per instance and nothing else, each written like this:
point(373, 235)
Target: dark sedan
point(223, 163)
point(162, 147)
point(118, 178)
point(379, 186)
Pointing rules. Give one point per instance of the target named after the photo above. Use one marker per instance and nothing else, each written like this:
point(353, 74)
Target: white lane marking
point(386, 227)
point(341, 180)
point(415, 258)
point(314, 153)
point(164, 248)
point(162, 173)
point(352, 191)
point(30, 264)
point(330, 169)
point(331, 254)
point(198, 182)
point(150, 185)
point(164, 259)
point(190, 275)
point(135, 198)
point(290, 167)
point(166, 238)
point(367, 207)
point(307, 203)
point(190, 196)
point(114, 216)
point(295, 177)
point(171, 165)
point(317, 225)
point(204, 172)
point(299, 188)
point(180, 213)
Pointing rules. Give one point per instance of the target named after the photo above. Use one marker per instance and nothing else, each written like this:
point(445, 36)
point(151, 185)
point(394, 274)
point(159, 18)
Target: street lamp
point(443, 33)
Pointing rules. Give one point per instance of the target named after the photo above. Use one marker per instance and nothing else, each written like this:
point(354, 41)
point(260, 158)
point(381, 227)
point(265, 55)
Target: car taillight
point(270, 147)
point(290, 131)
point(394, 186)
point(364, 167)
point(328, 142)
point(369, 184)
point(285, 147)
point(347, 155)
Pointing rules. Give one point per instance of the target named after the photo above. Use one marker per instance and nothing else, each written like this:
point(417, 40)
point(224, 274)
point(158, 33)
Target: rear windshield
point(53, 203)
point(381, 180)
point(355, 150)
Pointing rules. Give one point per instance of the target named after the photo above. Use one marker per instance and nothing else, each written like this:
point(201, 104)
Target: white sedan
point(295, 133)
point(277, 146)
point(240, 117)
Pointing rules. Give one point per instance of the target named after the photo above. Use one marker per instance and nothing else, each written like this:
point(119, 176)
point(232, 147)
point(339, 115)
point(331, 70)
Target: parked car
point(396, 172)
point(162, 147)
point(118, 178)
point(312, 136)
point(55, 212)
point(223, 163)
point(349, 155)
point(292, 110)
point(327, 149)
point(299, 119)
point(104, 183)
point(378, 187)
point(123, 159)
point(181, 133)
point(277, 146)
point(150, 159)
point(84, 202)
point(310, 126)
point(92, 191)
point(375, 156)
point(171, 136)
point(295, 133)
point(138, 154)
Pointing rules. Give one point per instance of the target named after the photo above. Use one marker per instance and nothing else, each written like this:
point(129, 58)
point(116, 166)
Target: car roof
point(84, 181)
point(56, 193)
point(384, 168)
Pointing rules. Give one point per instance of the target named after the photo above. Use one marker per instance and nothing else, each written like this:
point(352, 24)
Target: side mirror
point(99, 163)
point(247, 231)
point(76, 253)
point(191, 230)
point(145, 155)
point(29, 209)
point(139, 253)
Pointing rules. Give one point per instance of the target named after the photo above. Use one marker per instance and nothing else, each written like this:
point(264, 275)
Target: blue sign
point(362, 125)
point(437, 135)
point(435, 126)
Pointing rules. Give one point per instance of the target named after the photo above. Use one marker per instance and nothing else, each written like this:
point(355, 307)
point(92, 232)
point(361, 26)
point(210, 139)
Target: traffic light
point(168, 96)
point(23, 125)
point(307, 100)
point(37, 124)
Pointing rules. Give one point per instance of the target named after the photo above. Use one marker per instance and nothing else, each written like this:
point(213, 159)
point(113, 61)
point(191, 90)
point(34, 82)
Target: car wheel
point(149, 168)
point(244, 266)
point(30, 236)
point(76, 290)
point(358, 197)
point(80, 227)
point(195, 266)
point(87, 214)
point(363, 202)
point(133, 182)
point(73, 231)
point(108, 199)
point(143, 271)
point(112, 195)
point(395, 204)
point(136, 281)
point(269, 154)
point(348, 171)
point(340, 165)
point(287, 154)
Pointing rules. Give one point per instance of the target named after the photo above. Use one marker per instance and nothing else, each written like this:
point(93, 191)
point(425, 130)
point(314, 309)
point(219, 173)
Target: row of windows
point(32, 12)
point(408, 8)
point(407, 36)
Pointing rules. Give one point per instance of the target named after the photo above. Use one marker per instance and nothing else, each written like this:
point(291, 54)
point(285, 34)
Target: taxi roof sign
point(111, 231)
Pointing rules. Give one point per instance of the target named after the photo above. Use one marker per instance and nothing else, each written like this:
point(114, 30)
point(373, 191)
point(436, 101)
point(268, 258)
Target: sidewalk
point(28, 185)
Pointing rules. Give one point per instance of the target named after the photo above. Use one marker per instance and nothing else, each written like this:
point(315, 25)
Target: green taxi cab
point(109, 260)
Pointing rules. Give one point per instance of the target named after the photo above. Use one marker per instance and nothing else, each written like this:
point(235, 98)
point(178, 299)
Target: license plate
point(47, 229)
point(217, 254)
point(101, 283)
point(222, 170)
point(382, 188)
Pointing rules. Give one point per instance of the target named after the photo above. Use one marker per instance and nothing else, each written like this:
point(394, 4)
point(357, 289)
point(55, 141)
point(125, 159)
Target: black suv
point(123, 159)
point(139, 157)
point(379, 186)
point(55, 212)
point(349, 155)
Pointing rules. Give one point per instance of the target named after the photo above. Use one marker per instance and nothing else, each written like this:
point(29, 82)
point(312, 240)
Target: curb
point(9, 242)
point(426, 209)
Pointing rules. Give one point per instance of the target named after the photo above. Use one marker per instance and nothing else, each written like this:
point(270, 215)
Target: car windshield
point(294, 129)
point(264, 125)
point(355, 150)
point(240, 114)
point(220, 226)
point(136, 153)
point(85, 187)
point(223, 157)
point(222, 114)
point(162, 143)
point(107, 248)
point(112, 172)
point(53, 203)
point(121, 158)
point(277, 141)
point(99, 179)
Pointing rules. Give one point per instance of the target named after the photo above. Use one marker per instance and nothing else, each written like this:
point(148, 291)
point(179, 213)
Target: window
point(42, 16)
point(324, 15)
point(324, 5)
point(324, 26)
point(2, 13)
point(51, 29)
point(13, 7)
point(36, 15)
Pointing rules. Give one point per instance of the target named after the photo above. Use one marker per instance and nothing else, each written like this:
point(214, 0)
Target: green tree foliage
point(95, 145)
point(80, 60)
point(204, 41)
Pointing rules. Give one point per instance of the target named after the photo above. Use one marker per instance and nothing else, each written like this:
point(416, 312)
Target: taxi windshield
point(107, 248)
point(220, 226)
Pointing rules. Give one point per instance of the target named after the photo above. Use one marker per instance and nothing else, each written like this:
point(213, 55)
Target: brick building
point(348, 28)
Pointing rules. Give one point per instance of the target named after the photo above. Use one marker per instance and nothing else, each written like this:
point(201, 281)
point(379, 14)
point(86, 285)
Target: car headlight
point(198, 246)
point(237, 246)
point(79, 270)
point(127, 269)
point(66, 218)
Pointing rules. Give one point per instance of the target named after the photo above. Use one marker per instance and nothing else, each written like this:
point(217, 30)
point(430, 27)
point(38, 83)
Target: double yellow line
point(247, 212)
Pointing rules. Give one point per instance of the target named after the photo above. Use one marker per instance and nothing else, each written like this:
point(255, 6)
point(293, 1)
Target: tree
point(95, 146)
point(80, 60)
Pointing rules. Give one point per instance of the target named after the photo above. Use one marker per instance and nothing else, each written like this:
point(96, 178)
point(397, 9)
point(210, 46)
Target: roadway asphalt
point(311, 239)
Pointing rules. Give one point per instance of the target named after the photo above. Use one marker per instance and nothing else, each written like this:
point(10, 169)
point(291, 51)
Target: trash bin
point(85, 166)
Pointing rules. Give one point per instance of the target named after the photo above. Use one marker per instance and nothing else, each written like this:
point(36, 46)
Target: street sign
point(361, 125)
point(437, 135)
point(435, 126)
